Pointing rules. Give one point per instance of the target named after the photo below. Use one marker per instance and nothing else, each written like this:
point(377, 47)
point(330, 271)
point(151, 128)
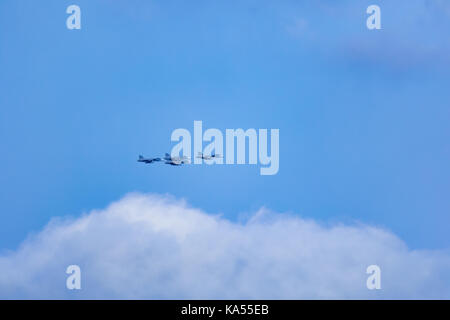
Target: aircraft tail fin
point(141, 157)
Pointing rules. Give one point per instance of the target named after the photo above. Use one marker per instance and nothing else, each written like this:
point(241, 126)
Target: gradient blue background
point(363, 115)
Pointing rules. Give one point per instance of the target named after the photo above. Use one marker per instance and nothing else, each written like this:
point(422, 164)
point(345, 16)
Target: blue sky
point(363, 115)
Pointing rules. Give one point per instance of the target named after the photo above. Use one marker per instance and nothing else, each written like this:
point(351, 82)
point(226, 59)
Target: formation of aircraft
point(177, 161)
point(168, 159)
point(207, 157)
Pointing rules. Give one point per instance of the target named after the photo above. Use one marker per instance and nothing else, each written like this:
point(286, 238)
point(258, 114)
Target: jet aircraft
point(148, 160)
point(207, 157)
point(175, 161)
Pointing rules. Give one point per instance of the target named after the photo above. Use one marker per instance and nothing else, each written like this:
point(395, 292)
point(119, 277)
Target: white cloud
point(150, 246)
point(414, 32)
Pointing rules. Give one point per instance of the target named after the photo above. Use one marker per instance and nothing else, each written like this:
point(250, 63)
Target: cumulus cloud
point(153, 246)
